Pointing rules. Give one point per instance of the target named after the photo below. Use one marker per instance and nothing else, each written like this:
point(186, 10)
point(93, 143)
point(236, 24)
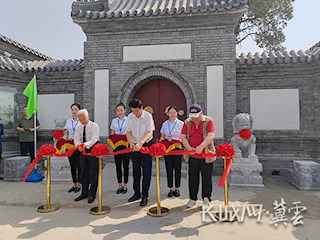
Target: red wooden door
point(156, 95)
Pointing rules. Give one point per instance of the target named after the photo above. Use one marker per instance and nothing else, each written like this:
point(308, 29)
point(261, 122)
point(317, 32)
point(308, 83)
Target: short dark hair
point(121, 105)
point(172, 107)
point(75, 104)
point(135, 103)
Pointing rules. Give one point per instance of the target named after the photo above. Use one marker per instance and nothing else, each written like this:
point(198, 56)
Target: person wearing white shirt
point(140, 127)
point(119, 127)
point(85, 137)
point(70, 128)
point(171, 131)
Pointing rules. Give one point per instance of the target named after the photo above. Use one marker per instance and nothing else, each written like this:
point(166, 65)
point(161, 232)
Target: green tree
point(264, 22)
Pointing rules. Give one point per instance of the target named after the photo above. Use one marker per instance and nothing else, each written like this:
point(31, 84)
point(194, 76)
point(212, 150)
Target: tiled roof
point(278, 57)
point(23, 47)
point(131, 8)
point(40, 66)
point(314, 48)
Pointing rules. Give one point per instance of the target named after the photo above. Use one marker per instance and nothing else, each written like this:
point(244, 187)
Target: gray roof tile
point(40, 66)
point(23, 47)
point(275, 57)
point(130, 8)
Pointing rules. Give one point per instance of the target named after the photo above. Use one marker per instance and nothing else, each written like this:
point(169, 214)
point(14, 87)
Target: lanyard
point(74, 127)
point(170, 131)
point(120, 127)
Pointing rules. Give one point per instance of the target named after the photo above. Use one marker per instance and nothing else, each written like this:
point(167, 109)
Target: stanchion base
point(225, 218)
point(95, 210)
point(154, 213)
point(45, 209)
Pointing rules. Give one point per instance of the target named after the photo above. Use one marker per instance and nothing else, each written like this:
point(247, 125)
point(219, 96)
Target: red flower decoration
point(57, 134)
point(46, 150)
point(100, 150)
point(245, 134)
point(225, 150)
point(158, 149)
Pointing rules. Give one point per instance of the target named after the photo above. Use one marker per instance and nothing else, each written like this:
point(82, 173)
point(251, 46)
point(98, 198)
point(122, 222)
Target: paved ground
point(20, 220)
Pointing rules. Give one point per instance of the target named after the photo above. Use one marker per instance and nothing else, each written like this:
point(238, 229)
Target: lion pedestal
point(246, 169)
point(60, 167)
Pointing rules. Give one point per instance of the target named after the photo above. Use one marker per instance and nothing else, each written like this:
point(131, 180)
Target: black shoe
point(119, 190)
point(90, 199)
point(80, 197)
point(144, 201)
point(170, 194)
point(71, 189)
point(134, 198)
point(1, 178)
point(77, 189)
point(124, 190)
point(176, 193)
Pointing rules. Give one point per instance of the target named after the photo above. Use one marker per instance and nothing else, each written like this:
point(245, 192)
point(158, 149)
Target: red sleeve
point(184, 129)
point(211, 127)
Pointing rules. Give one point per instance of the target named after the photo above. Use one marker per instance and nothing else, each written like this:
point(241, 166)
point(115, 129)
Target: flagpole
point(35, 116)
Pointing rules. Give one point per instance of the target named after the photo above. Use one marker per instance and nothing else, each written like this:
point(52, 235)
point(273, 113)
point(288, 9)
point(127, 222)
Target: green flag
point(31, 92)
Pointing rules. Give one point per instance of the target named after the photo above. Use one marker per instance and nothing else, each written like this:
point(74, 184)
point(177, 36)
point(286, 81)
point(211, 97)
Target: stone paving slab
point(20, 220)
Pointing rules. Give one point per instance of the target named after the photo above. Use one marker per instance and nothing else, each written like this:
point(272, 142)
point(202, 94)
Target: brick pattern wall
point(284, 145)
point(48, 83)
point(213, 43)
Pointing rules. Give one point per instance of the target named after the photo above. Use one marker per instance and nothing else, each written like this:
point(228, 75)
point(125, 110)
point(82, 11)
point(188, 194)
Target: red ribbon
point(158, 149)
point(43, 150)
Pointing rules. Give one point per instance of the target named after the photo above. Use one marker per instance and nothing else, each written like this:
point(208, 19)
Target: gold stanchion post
point(225, 217)
point(100, 210)
point(49, 207)
point(158, 211)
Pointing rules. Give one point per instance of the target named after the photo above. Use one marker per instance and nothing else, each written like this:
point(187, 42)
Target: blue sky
point(46, 26)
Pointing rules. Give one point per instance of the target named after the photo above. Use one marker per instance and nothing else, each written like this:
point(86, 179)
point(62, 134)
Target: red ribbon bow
point(157, 149)
point(46, 150)
point(57, 134)
point(245, 134)
point(100, 150)
point(225, 150)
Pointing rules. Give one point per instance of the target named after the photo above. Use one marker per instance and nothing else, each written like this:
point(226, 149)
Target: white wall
point(275, 109)
point(101, 100)
point(52, 106)
point(160, 52)
point(215, 97)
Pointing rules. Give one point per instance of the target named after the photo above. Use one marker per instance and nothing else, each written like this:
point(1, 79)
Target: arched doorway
point(156, 95)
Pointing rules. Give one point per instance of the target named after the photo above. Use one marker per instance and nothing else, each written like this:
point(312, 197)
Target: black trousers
point(197, 166)
point(27, 147)
point(173, 162)
point(89, 175)
point(74, 161)
point(122, 160)
point(144, 162)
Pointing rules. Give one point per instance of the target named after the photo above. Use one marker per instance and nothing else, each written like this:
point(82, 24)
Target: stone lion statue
point(243, 141)
point(59, 123)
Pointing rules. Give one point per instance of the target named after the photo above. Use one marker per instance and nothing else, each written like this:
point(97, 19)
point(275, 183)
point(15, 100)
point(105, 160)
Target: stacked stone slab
point(16, 167)
point(305, 175)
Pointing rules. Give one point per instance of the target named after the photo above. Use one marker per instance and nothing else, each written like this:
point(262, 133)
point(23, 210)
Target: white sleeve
point(95, 136)
point(77, 136)
point(162, 130)
point(66, 125)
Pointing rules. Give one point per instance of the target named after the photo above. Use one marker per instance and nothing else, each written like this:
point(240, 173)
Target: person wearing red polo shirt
point(195, 138)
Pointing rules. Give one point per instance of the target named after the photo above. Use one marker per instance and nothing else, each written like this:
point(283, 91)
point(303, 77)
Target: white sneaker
point(206, 204)
point(190, 203)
